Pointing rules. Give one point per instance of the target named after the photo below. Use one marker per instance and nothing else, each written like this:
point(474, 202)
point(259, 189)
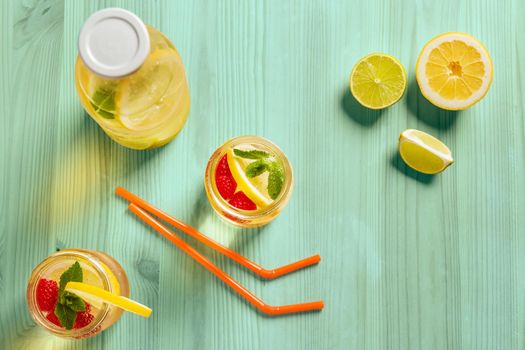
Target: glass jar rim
point(276, 205)
point(38, 316)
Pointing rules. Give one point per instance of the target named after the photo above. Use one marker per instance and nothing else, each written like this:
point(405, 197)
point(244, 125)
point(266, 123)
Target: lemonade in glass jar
point(67, 315)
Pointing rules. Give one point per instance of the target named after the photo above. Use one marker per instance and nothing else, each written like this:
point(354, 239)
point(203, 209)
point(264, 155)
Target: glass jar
point(260, 215)
point(99, 269)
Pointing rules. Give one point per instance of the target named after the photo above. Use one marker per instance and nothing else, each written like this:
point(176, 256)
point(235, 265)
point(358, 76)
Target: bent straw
point(252, 299)
point(268, 274)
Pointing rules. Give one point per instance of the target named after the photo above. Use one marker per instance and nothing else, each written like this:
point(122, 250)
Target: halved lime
point(378, 81)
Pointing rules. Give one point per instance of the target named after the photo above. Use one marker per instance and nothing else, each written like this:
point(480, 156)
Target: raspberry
point(83, 319)
point(222, 168)
point(226, 186)
point(51, 317)
point(46, 294)
point(224, 179)
point(240, 201)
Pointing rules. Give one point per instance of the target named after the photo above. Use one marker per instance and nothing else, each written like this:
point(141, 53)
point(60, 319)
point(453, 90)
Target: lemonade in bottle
point(131, 80)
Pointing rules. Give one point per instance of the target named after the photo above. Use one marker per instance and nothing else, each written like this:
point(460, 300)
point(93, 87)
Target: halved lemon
point(378, 81)
point(454, 71)
point(98, 296)
point(424, 152)
point(252, 188)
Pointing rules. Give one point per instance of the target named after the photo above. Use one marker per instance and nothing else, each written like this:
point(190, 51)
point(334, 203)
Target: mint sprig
point(74, 302)
point(261, 165)
point(275, 180)
point(250, 154)
point(73, 274)
point(66, 315)
point(69, 304)
point(256, 168)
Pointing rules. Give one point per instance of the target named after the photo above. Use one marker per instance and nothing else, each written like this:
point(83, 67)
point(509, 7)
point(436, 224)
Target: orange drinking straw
point(269, 274)
point(252, 299)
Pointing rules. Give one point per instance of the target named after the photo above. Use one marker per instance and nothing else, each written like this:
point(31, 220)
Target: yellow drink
point(239, 194)
point(99, 270)
point(144, 109)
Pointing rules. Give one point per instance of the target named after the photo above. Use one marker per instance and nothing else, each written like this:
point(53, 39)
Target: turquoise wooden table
point(408, 261)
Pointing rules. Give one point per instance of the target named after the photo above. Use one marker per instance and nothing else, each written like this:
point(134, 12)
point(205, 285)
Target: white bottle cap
point(113, 43)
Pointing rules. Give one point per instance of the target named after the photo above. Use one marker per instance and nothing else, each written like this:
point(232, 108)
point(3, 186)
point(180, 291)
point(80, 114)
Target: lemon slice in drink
point(139, 92)
point(253, 188)
point(90, 276)
point(454, 71)
point(103, 296)
point(378, 81)
point(424, 152)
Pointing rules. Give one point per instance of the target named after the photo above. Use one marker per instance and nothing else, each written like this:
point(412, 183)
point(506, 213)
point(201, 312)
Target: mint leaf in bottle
point(103, 101)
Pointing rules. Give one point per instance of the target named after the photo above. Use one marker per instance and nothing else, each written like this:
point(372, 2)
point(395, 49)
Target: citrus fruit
point(152, 83)
point(424, 152)
point(91, 277)
point(253, 188)
point(454, 71)
point(86, 291)
point(378, 81)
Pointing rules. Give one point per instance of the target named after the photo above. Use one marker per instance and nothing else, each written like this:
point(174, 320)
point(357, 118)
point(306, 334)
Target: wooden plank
point(33, 47)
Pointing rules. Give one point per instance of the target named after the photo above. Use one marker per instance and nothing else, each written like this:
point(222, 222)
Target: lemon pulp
point(424, 152)
point(454, 71)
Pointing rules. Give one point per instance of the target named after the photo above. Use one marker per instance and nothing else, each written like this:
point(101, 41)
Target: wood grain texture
point(408, 261)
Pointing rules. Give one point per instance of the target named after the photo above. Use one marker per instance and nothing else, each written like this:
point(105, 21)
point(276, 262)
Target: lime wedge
point(98, 296)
